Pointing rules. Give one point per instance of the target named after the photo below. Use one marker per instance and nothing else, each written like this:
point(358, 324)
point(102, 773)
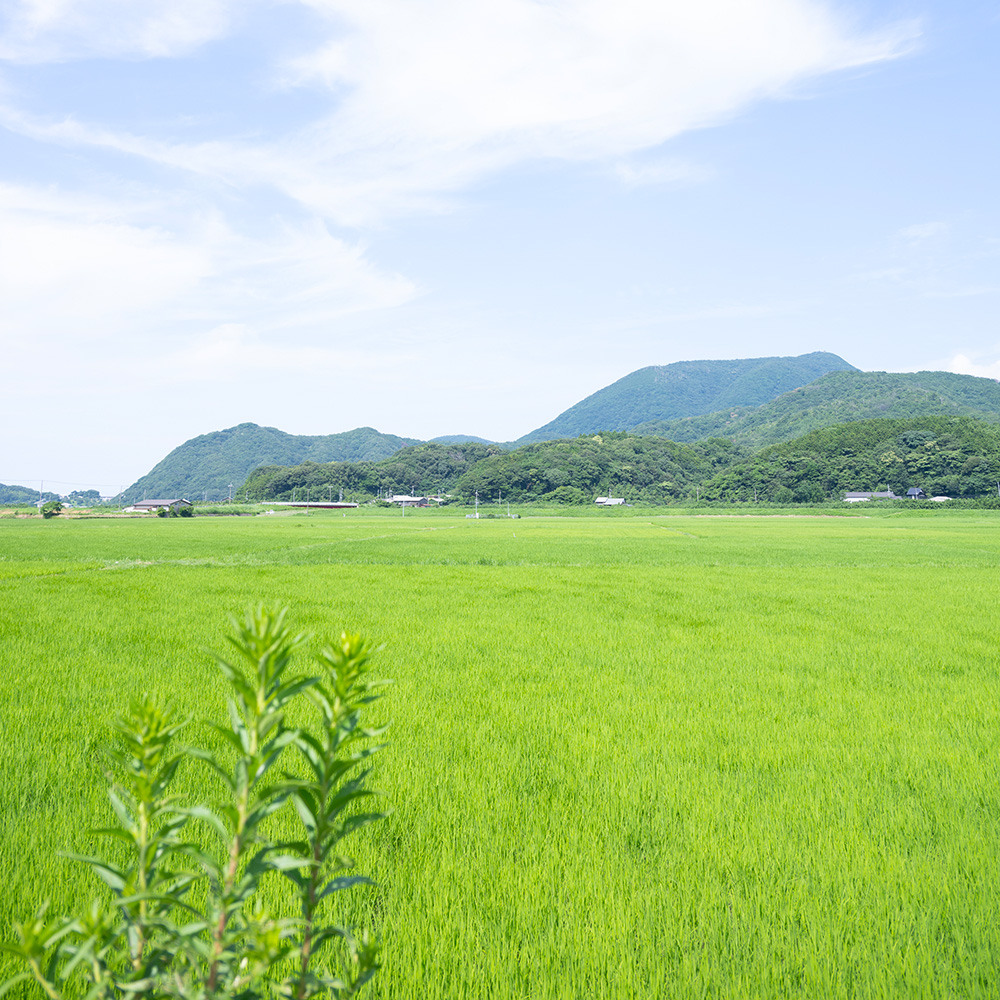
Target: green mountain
point(948, 456)
point(685, 389)
point(837, 398)
point(206, 465)
point(20, 495)
point(566, 471)
point(459, 439)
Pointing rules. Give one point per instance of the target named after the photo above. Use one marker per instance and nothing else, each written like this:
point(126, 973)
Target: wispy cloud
point(35, 31)
point(427, 98)
point(923, 231)
point(942, 259)
point(659, 172)
point(87, 267)
point(961, 364)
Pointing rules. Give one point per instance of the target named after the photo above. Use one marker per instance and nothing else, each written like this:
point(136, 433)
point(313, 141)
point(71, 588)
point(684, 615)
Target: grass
point(634, 756)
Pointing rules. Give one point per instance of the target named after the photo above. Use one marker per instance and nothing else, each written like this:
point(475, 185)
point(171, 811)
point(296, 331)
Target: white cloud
point(89, 268)
point(428, 96)
point(671, 171)
point(923, 231)
point(233, 352)
point(34, 31)
point(961, 364)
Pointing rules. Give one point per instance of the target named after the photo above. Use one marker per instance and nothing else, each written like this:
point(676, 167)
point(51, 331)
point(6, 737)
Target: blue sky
point(463, 216)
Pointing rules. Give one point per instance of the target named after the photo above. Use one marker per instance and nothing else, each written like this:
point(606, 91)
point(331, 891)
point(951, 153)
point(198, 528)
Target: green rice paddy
point(641, 756)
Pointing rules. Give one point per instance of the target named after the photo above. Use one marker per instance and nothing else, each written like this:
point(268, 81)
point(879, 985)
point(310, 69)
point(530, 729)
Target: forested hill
point(417, 469)
point(945, 456)
point(685, 389)
point(209, 463)
point(576, 470)
point(12, 494)
point(837, 398)
point(568, 471)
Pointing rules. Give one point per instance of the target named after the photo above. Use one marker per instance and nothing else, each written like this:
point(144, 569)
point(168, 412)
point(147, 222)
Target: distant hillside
point(567, 471)
point(614, 463)
point(11, 494)
point(685, 389)
point(209, 463)
point(837, 398)
point(949, 456)
point(420, 468)
point(459, 439)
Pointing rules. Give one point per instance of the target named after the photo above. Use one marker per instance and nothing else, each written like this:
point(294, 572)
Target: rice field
point(646, 756)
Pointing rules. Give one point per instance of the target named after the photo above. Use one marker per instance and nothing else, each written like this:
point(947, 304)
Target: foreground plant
point(185, 920)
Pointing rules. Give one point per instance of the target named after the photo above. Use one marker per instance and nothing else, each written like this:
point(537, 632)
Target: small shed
point(916, 493)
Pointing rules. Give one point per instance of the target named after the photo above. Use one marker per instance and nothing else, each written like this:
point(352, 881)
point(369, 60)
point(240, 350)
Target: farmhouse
point(916, 493)
point(150, 506)
point(858, 497)
point(610, 501)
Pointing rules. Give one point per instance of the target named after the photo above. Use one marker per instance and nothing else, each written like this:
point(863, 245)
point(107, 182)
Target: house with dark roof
point(916, 493)
point(151, 506)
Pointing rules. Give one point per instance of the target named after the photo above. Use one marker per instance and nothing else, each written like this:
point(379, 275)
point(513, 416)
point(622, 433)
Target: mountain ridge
point(210, 463)
point(685, 389)
point(205, 465)
point(839, 397)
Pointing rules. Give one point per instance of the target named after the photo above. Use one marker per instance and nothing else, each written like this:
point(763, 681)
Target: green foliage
point(23, 495)
point(51, 508)
point(423, 468)
point(949, 456)
point(684, 389)
point(614, 463)
point(84, 498)
point(184, 919)
point(840, 397)
point(564, 472)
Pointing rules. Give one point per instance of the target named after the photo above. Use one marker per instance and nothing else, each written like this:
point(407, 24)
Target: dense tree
point(950, 456)
point(836, 398)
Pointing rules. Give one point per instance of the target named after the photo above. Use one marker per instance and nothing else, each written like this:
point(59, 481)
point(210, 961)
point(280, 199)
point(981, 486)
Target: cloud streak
point(90, 268)
point(41, 31)
point(428, 97)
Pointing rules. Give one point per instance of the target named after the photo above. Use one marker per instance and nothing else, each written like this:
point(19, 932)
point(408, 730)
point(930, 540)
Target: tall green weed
point(184, 918)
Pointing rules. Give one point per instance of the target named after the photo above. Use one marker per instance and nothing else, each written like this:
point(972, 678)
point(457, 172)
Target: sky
point(463, 216)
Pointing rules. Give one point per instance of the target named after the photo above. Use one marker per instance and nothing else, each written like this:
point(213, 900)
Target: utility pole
point(230, 492)
point(477, 503)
